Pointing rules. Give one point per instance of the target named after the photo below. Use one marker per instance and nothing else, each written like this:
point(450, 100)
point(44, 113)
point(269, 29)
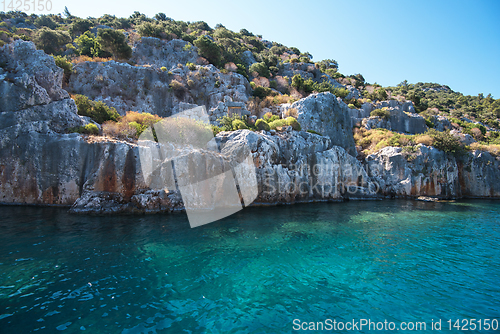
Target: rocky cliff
point(41, 163)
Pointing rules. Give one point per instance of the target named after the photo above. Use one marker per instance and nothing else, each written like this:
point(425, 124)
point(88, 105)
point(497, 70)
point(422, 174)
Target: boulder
point(28, 77)
point(329, 116)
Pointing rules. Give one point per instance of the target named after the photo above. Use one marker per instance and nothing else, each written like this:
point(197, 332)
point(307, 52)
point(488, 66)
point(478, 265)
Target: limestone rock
point(464, 138)
point(156, 52)
point(399, 121)
point(329, 116)
point(28, 77)
point(149, 89)
point(248, 58)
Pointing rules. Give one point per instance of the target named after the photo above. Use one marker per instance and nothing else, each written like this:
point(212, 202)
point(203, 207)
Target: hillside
point(91, 88)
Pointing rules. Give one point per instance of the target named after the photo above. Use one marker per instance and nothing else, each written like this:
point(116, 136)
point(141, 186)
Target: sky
point(455, 43)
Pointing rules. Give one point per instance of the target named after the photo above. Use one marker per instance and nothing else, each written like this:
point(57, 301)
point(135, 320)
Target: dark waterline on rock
point(255, 271)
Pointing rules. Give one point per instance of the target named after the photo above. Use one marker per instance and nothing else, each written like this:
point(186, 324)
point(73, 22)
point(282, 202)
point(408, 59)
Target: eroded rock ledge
point(40, 163)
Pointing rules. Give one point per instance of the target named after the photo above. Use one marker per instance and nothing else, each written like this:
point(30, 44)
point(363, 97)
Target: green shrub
point(269, 117)
point(445, 141)
point(260, 68)
point(383, 113)
point(293, 123)
point(191, 66)
point(88, 45)
point(260, 124)
point(89, 129)
point(352, 106)
point(97, 110)
point(429, 122)
point(51, 41)
point(139, 128)
point(277, 124)
point(45, 21)
point(66, 65)
point(381, 94)
point(114, 42)
point(79, 26)
point(273, 84)
point(262, 92)
point(297, 81)
point(314, 132)
point(163, 68)
point(208, 50)
point(239, 125)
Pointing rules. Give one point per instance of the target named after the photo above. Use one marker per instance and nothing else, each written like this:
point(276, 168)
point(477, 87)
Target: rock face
point(35, 112)
point(149, 89)
point(327, 115)
point(158, 53)
point(432, 172)
point(28, 77)
point(306, 71)
point(402, 117)
point(40, 163)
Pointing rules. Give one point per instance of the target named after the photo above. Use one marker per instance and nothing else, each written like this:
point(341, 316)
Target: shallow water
point(255, 271)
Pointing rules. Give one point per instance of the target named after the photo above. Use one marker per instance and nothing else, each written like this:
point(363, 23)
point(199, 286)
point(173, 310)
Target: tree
point(245, 32)
point(208, 49)
point(260, 68)
point(381, 94)
point(79, 26)
point(51, 41)
point(114, 42)
point(162, 17)
point(297, 81)
point(45, 21)
point(148, 29)
point(67, 13)
point(90, 46)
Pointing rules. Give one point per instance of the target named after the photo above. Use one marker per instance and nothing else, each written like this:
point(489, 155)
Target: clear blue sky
point(456, 43)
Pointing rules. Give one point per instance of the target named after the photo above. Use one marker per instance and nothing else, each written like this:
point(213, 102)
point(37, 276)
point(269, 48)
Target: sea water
point(262, 270)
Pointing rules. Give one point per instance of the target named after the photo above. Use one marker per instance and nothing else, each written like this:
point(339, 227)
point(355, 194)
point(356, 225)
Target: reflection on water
point(255, 271)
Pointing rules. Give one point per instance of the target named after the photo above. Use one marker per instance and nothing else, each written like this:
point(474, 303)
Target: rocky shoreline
point(42, 164)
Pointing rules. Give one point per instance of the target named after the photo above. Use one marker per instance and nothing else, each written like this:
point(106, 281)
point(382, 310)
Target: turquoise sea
point(257, 271)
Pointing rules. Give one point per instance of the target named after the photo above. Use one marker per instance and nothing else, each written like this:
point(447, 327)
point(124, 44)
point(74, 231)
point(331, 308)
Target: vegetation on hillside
point(72, 40)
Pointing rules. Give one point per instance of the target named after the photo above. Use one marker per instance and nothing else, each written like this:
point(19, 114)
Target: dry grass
point(492, 149)
point(292, 112)
point(255, 104)
point(125, 128)
point(82, 59)
point(141, 118)
point(424, 139)
point(118, 130)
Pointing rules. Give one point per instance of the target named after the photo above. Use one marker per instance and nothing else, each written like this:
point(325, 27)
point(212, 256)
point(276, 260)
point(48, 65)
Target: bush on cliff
point(132, 125)
point(113, 41)
point(383, 113)
point(259, 68)
point(51, 41)
point(80, 26)
point(208, 49)
point(88, 45)
point(239, 125)
point(260, 124)
point(89, 129)
point(66, 65)
point(446, 142)
point(97, 110)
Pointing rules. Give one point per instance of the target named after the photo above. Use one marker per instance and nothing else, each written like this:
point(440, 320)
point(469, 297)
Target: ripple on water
point(254, 271)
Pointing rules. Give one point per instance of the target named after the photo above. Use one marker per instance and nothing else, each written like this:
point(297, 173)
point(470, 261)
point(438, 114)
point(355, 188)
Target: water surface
point(254, 272)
